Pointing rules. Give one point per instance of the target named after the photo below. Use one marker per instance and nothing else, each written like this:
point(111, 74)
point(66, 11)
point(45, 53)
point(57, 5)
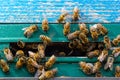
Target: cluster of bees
point(78, 40)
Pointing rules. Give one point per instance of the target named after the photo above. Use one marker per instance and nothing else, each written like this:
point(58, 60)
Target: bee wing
point(111, 67)
point(106, 66)
point(24, 28)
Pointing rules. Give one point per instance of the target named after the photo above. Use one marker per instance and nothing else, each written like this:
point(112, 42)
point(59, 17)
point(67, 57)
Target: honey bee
point(41, 50)
point(86, 67)
point(4, 65)
point(117, 71)
point(75, 15)
point(19, 53)
point(30, 30)
point(8, 54)
point(50, 62)
point(32, 62)
point(48, 74)
point(32, 46)
point(35, 56)
point(98, 74)
point(62, 17)
point(100, 46)
point(107, 42)
point(73, 35)
point(93, 53)
point(46, 40)
point(102, 29)
point(94, 33)
point(97, 67)
point(21, 61)
point(83, 28)
point(39, 71)
point(75, 44)
point(109, 63)
point(20, 44)
point(66, 29)
point(83, 38)
point(45, 26)
point(103, 55)
point(91, 46)
point(116, 41)
point(116, 52)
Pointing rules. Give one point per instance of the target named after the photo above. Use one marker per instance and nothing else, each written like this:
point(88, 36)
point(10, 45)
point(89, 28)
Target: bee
point(45, 26)
point(117, 71)
point(30, 30)
point(100, 46)
point(75, 15)
point(4, 65)
point(62, 17)
point(32, 46)
point(35, 56)
point(39, 71)
point(83, 28)
point(86, 67)
point(32, 62)
point(91, 46)
point(73, 35)
point(83, 38)
point(93, 53)
point(97, 67)
point(109, 63)
point(8, 54)
point(107, 42)
point(20, 44)
point(19, 53)
point(116, 41)
point(41, 50)
point(103, 55)
point(46, 40)
point(102, 29)
point(48, 74)
point(50, 62)
point(21, 61)
point(116, 52)
point(94, 33)
point(66, 29)
point(98, 74)
point(75, 44)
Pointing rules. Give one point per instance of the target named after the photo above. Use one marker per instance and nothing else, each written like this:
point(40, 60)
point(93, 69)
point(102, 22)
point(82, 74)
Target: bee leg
point(70, 52)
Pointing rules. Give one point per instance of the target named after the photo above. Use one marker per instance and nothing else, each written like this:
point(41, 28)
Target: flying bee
point(39, 71)
point(97, 67)
point(19, 53)
point(109, 63)
point(83, 28)
point(21, 61)
point(48, 74)
point(98, 74)
point(4, 65)
point(66, 29)
point(73, 35)
point(30, 30)
point(117, 71)
point(45, 26)
point(83, 38)
point(93, 53)
point(8, 54)
point(50, 62)
point(75, 15)
point(102, 29)
point(46, 40)
point(20, 44)
point(107, 42)
point(86, 67)
point(103, 55)
point(41, 50)
point(116, 52)
point(94, 33)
